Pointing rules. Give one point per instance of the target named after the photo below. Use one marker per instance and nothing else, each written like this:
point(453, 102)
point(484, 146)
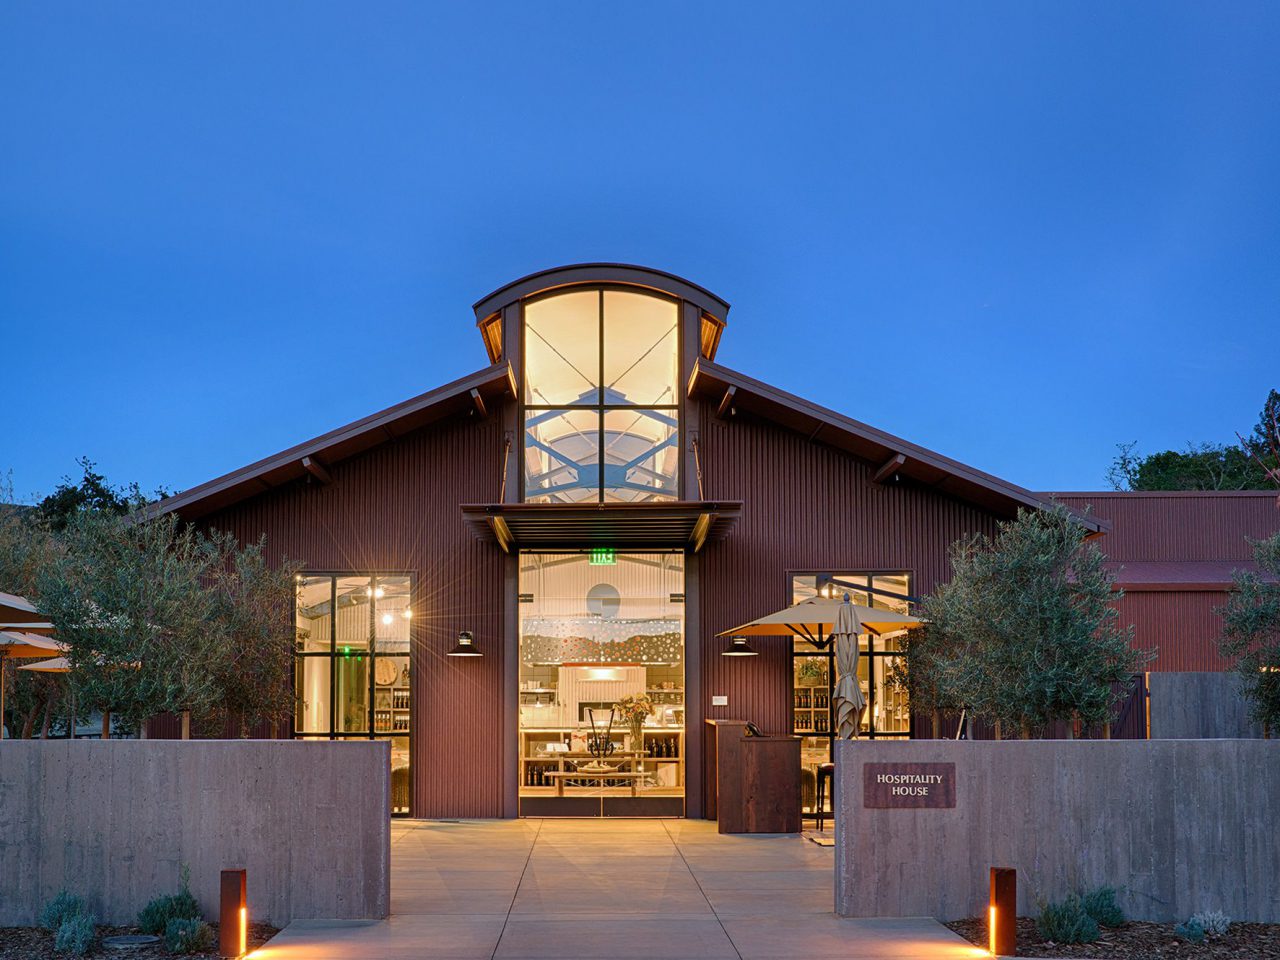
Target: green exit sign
point(603, 556)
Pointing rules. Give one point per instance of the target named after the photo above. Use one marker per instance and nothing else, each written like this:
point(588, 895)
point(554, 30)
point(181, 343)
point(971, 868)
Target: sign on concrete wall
point(908, 786)
point(1176, 826)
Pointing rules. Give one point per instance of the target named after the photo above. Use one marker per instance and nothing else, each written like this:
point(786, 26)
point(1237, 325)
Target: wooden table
point(560, 776)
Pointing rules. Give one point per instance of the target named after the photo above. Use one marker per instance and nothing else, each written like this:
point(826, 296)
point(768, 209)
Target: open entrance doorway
point(602, 684)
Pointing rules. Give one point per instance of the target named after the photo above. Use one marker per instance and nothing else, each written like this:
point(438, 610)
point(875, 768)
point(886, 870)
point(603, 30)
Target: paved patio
point(613, 889)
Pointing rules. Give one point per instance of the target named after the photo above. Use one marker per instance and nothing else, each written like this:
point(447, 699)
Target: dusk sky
point(1017, 233)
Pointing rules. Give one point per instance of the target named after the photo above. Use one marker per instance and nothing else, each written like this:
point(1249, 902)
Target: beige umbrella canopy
point(22, 646)
point(815, 619)
point(19, 613)
point(52, 665)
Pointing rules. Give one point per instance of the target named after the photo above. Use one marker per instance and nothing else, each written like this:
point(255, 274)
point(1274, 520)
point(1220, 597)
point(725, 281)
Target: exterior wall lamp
point(466, 646)
point(233, 915)
point(738, 647)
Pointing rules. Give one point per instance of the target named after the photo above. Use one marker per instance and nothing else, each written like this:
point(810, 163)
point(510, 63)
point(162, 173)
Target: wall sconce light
point(466, 646)
point(1002, 912)
point(233, 915)
point(738, 647)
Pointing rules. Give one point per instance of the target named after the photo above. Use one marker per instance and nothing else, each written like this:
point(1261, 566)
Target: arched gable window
point(601, 397)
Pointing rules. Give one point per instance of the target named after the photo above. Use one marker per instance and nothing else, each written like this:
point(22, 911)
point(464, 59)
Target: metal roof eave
point(883, 450)
point(469, 393)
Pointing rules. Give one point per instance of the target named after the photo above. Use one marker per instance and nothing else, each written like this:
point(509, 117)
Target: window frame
point(871, 653)
point(600, 408)
point(368, 732)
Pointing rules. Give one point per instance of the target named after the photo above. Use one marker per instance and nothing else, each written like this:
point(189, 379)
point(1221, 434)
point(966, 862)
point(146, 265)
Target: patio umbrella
point(815, 619)
point(848, 699)
point(21, 646)
point(19, 613)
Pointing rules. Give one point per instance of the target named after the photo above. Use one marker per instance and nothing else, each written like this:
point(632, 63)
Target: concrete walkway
point(615, 889)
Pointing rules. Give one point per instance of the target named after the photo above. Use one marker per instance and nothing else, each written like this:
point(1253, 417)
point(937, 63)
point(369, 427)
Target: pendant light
point(466, 646)
point(738, 647)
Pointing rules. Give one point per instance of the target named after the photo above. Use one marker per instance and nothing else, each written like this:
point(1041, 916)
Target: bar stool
point(826, 772)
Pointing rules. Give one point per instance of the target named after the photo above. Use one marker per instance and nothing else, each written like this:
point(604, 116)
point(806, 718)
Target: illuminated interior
point(888, 714)
point(601, 400)
point(351, 666)
point(592, 634)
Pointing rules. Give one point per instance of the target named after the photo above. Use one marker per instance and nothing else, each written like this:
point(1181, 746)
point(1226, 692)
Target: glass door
point(602, 684)
point(351, 665)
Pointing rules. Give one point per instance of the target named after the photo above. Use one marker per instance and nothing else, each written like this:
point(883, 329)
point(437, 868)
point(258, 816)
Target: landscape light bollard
point(233, 915)
point(1002, 912)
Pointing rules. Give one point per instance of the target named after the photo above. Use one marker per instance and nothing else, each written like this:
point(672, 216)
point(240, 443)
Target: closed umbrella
point(848, 699)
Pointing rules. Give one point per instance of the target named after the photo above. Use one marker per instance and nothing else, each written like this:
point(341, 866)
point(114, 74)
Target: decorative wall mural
point(553, 640)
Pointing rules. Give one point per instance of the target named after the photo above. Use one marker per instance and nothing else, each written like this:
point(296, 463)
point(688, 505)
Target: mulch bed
point(1139, 940)
point(36, 943)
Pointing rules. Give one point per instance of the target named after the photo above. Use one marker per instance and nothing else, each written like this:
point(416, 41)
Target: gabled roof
point(889, 455)
point(472, 392)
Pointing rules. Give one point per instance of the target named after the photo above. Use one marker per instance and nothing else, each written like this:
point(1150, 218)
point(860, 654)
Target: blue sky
point(1018, 234)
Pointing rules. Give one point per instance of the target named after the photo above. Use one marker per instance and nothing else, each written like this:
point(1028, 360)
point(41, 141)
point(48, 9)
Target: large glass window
point(601, 403)
point(596, 638)
point(887, 715)
point(351, 667)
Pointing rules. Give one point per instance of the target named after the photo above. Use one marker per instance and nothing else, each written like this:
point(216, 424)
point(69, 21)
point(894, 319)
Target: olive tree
point(127, 597)
point(253, 607)
point(1026, 632)
point(1251, 632)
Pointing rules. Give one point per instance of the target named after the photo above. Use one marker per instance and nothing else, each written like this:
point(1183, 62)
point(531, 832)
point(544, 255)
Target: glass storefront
point(887, 715)
point(351, 666)
point(602, 684)
point(601, 414)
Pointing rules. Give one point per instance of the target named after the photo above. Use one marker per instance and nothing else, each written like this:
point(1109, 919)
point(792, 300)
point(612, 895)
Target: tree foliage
point(1251, 632)
point(1253, 464)
point(1026, 632)
point(158, 617)
point(253, 603)
point(127, 597)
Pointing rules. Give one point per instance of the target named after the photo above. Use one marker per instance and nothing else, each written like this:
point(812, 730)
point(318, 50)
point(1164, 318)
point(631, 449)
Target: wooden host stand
point(753, 783)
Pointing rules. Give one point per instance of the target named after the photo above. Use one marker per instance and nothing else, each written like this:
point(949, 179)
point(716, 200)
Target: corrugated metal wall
point(1181, 526)
point(396, 508)
point(1194, 526)
point(806, 507)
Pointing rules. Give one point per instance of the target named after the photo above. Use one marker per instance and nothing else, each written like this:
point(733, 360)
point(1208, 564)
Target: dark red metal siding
point(805, 507)
point(396, 508)
point(1184, 526)
point(1180, 527)
point(1182, 627)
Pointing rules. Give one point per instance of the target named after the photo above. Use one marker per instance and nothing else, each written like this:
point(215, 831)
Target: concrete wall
point(113, 821)
point(1196, 706)
point(1179, 825)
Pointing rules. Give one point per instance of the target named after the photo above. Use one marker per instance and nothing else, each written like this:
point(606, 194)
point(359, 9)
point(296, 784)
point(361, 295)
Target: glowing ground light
point(233, 914)
point(991, 930)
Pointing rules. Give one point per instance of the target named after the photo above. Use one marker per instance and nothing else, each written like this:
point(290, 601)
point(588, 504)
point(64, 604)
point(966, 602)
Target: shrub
point(188, 936)
point(1101, 905)
point(75, 934)
point(62, 907)
point(1066, 922)
point(1192, 931)
point(155, 916)
point(1213, 922)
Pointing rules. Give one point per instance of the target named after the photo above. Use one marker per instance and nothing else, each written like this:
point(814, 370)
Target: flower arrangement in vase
point(633, 709)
